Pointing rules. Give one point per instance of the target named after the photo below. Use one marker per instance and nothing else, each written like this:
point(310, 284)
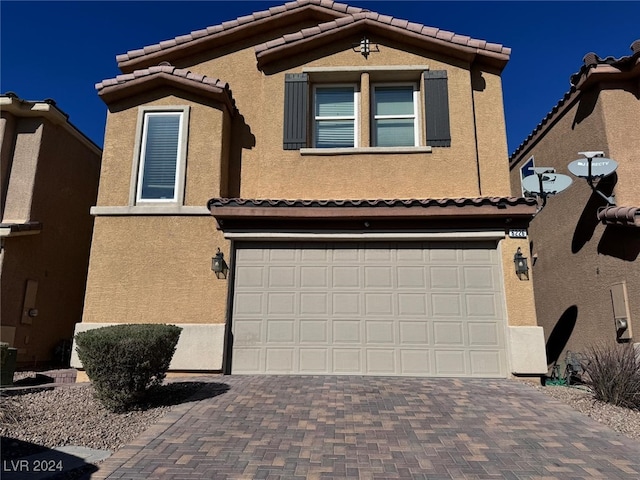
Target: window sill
point(364, 150)
point(176, 210)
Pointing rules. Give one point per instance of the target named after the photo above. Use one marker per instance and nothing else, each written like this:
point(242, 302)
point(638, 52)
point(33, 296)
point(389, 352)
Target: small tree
point(613, 373)
point(124, 361)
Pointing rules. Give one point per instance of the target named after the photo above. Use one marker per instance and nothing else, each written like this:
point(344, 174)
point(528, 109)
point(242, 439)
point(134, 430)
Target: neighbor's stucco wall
point(7, 141)
point(59, 175)
point(579, 259)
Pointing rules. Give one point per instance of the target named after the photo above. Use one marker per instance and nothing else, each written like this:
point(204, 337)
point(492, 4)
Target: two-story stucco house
point(351, 168)
point(587, 239)
point(48, 182)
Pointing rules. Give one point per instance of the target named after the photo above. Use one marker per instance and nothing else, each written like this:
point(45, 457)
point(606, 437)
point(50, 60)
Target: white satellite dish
point(544, 184)
point(600, 167)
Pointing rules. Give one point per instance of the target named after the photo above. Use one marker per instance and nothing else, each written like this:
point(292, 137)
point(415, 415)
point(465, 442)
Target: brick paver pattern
point(296, 427)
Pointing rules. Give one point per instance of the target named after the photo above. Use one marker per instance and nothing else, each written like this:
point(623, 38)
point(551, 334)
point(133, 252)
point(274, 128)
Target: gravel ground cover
point(69, 415)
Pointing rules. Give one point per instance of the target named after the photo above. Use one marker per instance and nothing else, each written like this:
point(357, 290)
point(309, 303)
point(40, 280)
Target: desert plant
point(124, 361)
point(613, 374)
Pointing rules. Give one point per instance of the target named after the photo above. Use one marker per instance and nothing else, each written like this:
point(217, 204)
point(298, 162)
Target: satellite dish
point(600, 167)
point(552, 183)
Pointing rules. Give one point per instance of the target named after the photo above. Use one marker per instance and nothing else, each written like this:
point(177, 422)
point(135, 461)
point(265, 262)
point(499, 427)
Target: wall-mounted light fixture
point(522, 268)
point(219, 266)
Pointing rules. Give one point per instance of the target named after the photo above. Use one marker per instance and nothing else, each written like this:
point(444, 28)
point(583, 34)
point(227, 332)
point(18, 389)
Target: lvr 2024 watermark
point(23, 465)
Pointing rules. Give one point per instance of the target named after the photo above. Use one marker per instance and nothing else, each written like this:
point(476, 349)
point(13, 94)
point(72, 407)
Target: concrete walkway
point(374, 427)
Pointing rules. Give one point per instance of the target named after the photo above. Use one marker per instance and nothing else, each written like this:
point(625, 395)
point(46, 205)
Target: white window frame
point(355, 117)
point(135, 197)
point(415, 116)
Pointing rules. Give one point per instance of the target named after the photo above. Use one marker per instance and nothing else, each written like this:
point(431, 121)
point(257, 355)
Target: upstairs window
point(162, 155)
point(335, 117)
point(395, 116)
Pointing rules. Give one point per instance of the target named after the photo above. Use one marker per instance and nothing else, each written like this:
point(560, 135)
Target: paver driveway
point(374, 427)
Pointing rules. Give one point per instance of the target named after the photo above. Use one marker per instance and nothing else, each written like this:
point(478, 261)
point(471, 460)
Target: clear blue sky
point(59, 50)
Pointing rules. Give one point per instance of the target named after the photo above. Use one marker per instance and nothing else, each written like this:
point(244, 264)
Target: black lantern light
point(219, 266)
point(522, 268)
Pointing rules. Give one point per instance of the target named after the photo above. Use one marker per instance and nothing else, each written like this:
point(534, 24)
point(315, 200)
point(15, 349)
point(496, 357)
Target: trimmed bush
point(124, 361)
point(613, 374)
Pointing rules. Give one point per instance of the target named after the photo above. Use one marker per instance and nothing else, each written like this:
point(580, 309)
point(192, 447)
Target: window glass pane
point(395, 132)
point(160, 157)
point(394, 100)
point(334, 133)
point(334, 102)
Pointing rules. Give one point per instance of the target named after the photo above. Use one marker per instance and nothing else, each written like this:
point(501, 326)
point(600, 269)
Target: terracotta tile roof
point(592, 64)
point(343, 15)
point(394, 24)
point(623, 216)
point(379, 203)
point(334, 8)
point(166, 71)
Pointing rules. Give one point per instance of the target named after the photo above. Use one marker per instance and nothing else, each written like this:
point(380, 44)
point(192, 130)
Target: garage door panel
point(381, 362)
point(347, 331)
point(419, 308)
point(448, 333)
point(414, 333)
point(346, 277)
point(280, 360)
point(481, 305)
point(314, 303)
point(378, 303)
point(444, 277)
point(412, 304)
point(446, 304)
point(485, 363)
point(248, 303)
point(281, 277)
point(450, 362)
point(314, 360)
point(415, 362)
point(314, 277)
point(280, 331)
point(346, 304)
point(314, 331)
point(347, 360)
point(281, 303)
point(483, 334)
point(380, 332)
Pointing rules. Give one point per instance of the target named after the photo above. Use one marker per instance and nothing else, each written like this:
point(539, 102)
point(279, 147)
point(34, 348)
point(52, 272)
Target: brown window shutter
point(436, 97)
point(296, 100)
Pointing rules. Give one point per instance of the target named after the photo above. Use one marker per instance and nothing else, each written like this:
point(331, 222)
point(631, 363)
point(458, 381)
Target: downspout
point(475, 131)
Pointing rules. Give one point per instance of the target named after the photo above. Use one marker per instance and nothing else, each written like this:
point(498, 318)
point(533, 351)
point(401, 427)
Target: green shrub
point(613, 373)
point(124, 361)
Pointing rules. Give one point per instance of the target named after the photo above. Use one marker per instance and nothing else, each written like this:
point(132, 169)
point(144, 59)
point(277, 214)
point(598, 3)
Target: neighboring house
point(587, 272)
point(48, 183)
point(356, 182)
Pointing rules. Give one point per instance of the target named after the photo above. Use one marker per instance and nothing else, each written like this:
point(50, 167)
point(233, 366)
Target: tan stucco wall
point(518, 293)
point(579, 259)
point(155, 269)
point(204, 150)
point(268, 171)
point(7, 140)
point(63, 185)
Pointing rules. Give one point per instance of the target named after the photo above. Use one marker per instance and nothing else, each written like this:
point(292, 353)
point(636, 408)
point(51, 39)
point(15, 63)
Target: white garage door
point(422, 309)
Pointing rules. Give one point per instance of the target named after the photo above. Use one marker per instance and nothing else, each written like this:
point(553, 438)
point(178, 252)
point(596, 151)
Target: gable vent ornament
point(365, 48)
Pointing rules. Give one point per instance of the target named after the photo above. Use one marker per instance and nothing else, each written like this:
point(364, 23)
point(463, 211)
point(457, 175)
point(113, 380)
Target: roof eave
point(156, 54)
point(114, 93)
point(462, 52)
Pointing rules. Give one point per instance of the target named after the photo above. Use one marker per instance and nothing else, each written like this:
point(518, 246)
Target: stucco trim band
point(176, 210)
point(17, 229)
point(358, 236)
point(364, 150)
point(199, 347)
